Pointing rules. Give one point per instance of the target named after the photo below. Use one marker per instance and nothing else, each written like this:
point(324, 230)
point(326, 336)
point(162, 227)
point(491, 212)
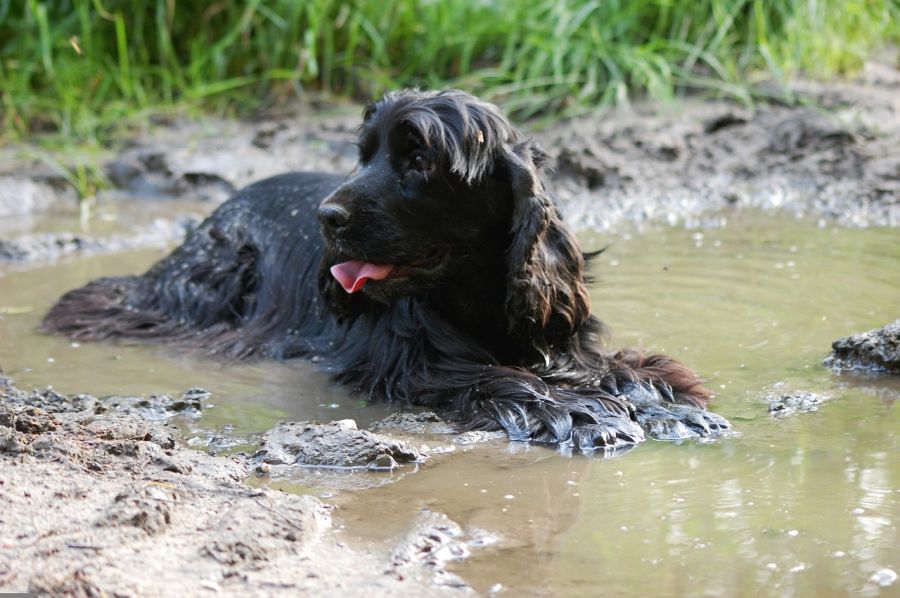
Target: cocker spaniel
point(438, 273)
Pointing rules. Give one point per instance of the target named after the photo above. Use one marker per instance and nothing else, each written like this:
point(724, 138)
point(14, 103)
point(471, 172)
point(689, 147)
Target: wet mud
point(334, 445)
point(833, 157)
point(792, 403)
point(135, 513)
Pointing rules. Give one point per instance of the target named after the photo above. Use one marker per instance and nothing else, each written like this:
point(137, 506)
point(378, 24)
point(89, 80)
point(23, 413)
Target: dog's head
point(438, 173)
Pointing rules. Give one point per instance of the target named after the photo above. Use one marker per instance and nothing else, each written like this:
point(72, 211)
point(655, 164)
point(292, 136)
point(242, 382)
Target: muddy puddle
point(806, 504)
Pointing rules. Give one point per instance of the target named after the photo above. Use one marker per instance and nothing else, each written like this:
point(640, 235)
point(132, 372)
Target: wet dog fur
point(484, 316)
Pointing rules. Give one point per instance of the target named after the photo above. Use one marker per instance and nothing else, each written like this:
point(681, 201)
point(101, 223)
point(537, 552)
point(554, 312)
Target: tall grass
point(79, 67)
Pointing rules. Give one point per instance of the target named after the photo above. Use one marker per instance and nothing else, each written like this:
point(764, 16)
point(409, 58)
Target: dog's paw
point(680, 422)
point(606, 433)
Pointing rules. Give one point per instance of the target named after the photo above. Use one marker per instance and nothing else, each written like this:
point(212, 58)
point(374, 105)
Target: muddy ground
point(101, 497)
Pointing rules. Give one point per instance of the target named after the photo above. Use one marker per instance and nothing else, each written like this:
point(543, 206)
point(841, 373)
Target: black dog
point(443, 275)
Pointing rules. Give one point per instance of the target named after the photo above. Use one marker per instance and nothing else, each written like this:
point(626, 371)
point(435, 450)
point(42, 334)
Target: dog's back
point(224, 290)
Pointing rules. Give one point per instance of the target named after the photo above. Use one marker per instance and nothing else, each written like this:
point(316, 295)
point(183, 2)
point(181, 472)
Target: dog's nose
point(333, 217)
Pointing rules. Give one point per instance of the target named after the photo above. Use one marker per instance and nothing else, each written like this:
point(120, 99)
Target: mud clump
point(156, 407)
point(336, 444)
point(26, 195)
point(404, 422)
point(49, 247)
point(28, 420)
point(875, 351)
point(792, 403)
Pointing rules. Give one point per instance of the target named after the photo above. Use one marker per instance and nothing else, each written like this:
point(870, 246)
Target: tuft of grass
point(79, 68)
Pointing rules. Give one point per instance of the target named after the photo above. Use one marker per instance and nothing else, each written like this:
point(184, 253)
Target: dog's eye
point(420, 162)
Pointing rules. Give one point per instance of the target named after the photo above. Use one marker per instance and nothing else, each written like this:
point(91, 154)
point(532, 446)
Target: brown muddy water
point(805, 505)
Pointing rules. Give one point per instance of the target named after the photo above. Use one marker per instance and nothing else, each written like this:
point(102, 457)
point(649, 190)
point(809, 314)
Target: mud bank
point(100, 500)
point(47, 247)
point(830, 155)
point(834, 159)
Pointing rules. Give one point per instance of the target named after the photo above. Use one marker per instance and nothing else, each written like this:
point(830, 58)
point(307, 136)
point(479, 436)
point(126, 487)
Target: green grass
point(80, 68)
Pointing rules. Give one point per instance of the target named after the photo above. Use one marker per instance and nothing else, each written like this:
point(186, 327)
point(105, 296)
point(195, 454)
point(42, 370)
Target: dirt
point(834, 158)
point(100, 499)
point(875, 351)
point(335, 445)
point(23, 195)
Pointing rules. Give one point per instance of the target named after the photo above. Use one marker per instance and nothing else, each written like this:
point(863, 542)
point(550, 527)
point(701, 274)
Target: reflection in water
point(803, 505)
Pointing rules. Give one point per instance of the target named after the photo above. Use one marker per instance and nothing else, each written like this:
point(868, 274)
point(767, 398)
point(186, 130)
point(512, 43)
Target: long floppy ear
point(546, 297)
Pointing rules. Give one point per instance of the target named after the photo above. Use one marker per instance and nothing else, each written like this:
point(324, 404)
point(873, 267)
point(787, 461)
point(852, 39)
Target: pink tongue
point(353, 274)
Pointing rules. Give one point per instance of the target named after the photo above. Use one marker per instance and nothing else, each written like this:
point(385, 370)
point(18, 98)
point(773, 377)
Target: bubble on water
point(858, 511)
point(838, 554)
point(772, 566)
point(884, 577)
point(798, 568)
point(793, 533)
point(509, 497)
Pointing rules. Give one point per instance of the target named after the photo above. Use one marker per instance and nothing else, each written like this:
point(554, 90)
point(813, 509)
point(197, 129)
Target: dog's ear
point(546, 297)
